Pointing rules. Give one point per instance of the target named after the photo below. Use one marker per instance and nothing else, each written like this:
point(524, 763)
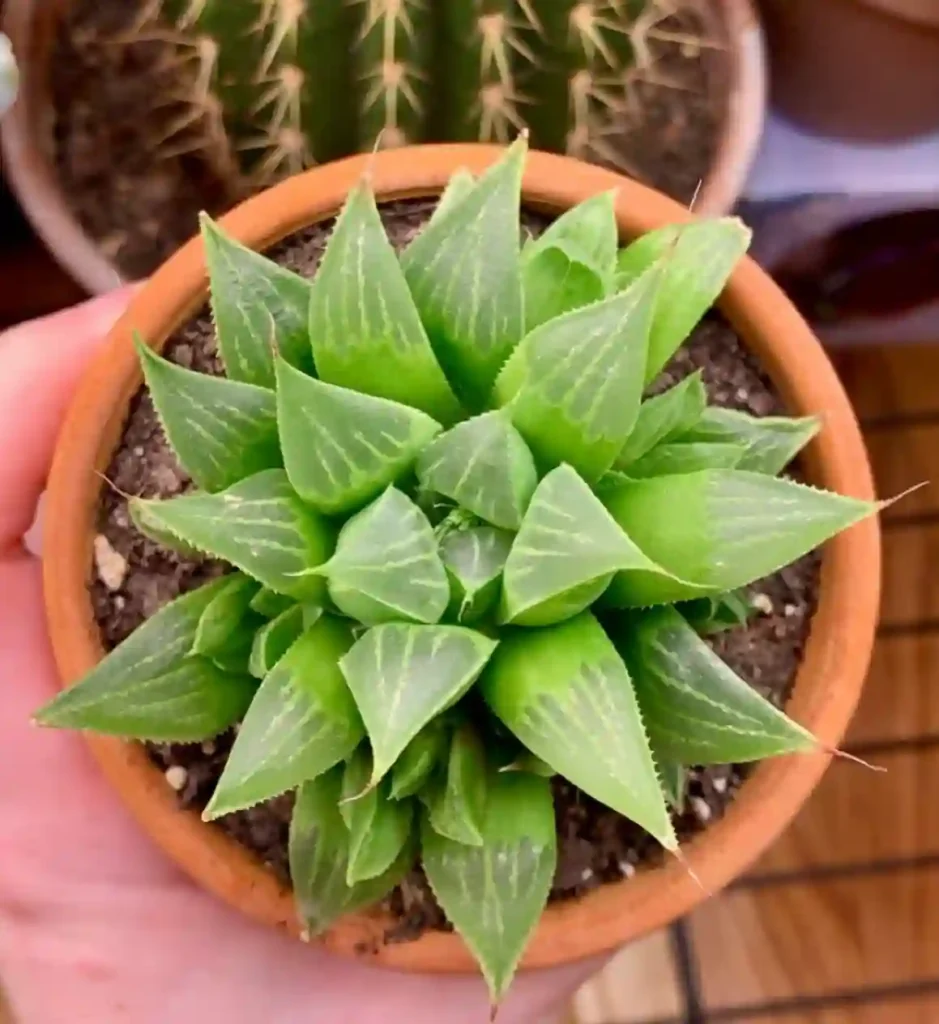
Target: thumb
point(40, 364)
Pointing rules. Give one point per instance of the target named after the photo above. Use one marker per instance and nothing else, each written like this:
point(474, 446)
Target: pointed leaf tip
point(144, 664)
point(249, 294)
point(302, 721)
point(567, 696)
point(697, 709)
point(402, 676)
point(484, 465)
point(464, 271)
point(366, 331)
point(572, 263)
point(696, 259)
point(574, 385)
point(495, 893)
point(663, 417)
point(565, 553)
point(258, 525)
point(724, 528)
point(342, 448)
point(387, 566)
point(221, 430)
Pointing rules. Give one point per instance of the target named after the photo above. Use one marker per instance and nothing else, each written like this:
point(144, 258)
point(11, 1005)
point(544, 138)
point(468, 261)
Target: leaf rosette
point(466, 553)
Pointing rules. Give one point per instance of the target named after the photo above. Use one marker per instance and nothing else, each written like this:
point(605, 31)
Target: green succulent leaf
point(257, 305)
point(190, 701)
point(387, 567)
point(697, 260)
point(222, 430)
point(402, 676)
point(224, 615)
point(724, 528)
point(458, 809)
point(494, 894)
point(258, 525)
point(587, 233)
point(366, 332)
point(272, 641)
point(269, 604)
point(565, 554)
point(151, 525)
point(341, 448)
point(574, 385)
point(158, 645)
point(474, 559)
point(379, 828)
point(663, 417)
point(319, 858)
point(696, 708)
point(771, 442)
point(709, 615)
point(464, 271)
point(673, 459)
point(418, 760)
point(236, 655)
point(567, 696)
point(302, 721)
point(572, 263)
point(555, 283)
point(674, 777)
point(458, 188)
point(484, 466)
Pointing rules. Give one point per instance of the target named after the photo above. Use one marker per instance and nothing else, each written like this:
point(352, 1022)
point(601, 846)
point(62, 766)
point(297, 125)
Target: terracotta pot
point(27, 131)
point(856, 69)
point(829, 681)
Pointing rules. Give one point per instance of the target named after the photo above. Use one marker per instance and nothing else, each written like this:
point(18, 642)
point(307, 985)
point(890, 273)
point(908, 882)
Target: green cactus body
point(580, 50)
point(477, 69)
point(287, 83)
point(392, 59)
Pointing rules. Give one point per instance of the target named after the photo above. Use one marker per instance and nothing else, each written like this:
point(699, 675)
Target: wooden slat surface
point(818, 938)
point(639, 985)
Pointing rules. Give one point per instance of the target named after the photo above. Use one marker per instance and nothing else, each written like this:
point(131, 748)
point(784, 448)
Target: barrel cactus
point(280, 84)
point(466, 553)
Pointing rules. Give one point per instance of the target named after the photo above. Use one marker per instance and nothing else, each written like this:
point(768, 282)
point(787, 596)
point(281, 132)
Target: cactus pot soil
point(808, 646)
point(80, 144)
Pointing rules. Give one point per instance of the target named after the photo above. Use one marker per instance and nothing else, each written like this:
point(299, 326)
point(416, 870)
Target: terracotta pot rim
point(25, 134)
point(829, 681)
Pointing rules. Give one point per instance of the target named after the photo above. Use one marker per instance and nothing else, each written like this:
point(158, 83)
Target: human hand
point(96, 926)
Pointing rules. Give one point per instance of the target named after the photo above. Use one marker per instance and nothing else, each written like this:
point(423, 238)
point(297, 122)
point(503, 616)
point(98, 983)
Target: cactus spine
point(275, 85)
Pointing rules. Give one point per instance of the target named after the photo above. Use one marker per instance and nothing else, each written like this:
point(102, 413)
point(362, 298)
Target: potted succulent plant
point(436, 569)
point(136, 114)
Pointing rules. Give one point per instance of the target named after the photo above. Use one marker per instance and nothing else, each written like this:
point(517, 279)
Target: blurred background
point(816, 120)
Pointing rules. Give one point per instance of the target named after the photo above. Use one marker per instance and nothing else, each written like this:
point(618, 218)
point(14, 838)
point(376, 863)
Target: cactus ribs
point(157, 118)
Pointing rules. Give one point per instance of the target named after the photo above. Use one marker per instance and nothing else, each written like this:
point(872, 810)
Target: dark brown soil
point(112, 110)
point(136, 576)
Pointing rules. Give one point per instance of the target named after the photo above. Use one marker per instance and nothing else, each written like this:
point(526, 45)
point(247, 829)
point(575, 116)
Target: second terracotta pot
point(28, 132)
point(866, 70)
point(828, 683)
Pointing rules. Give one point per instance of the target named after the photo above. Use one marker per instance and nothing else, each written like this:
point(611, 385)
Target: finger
point(54, 803)
point(40, 364)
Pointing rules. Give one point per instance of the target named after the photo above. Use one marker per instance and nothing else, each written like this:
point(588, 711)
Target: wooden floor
point(839, 923)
